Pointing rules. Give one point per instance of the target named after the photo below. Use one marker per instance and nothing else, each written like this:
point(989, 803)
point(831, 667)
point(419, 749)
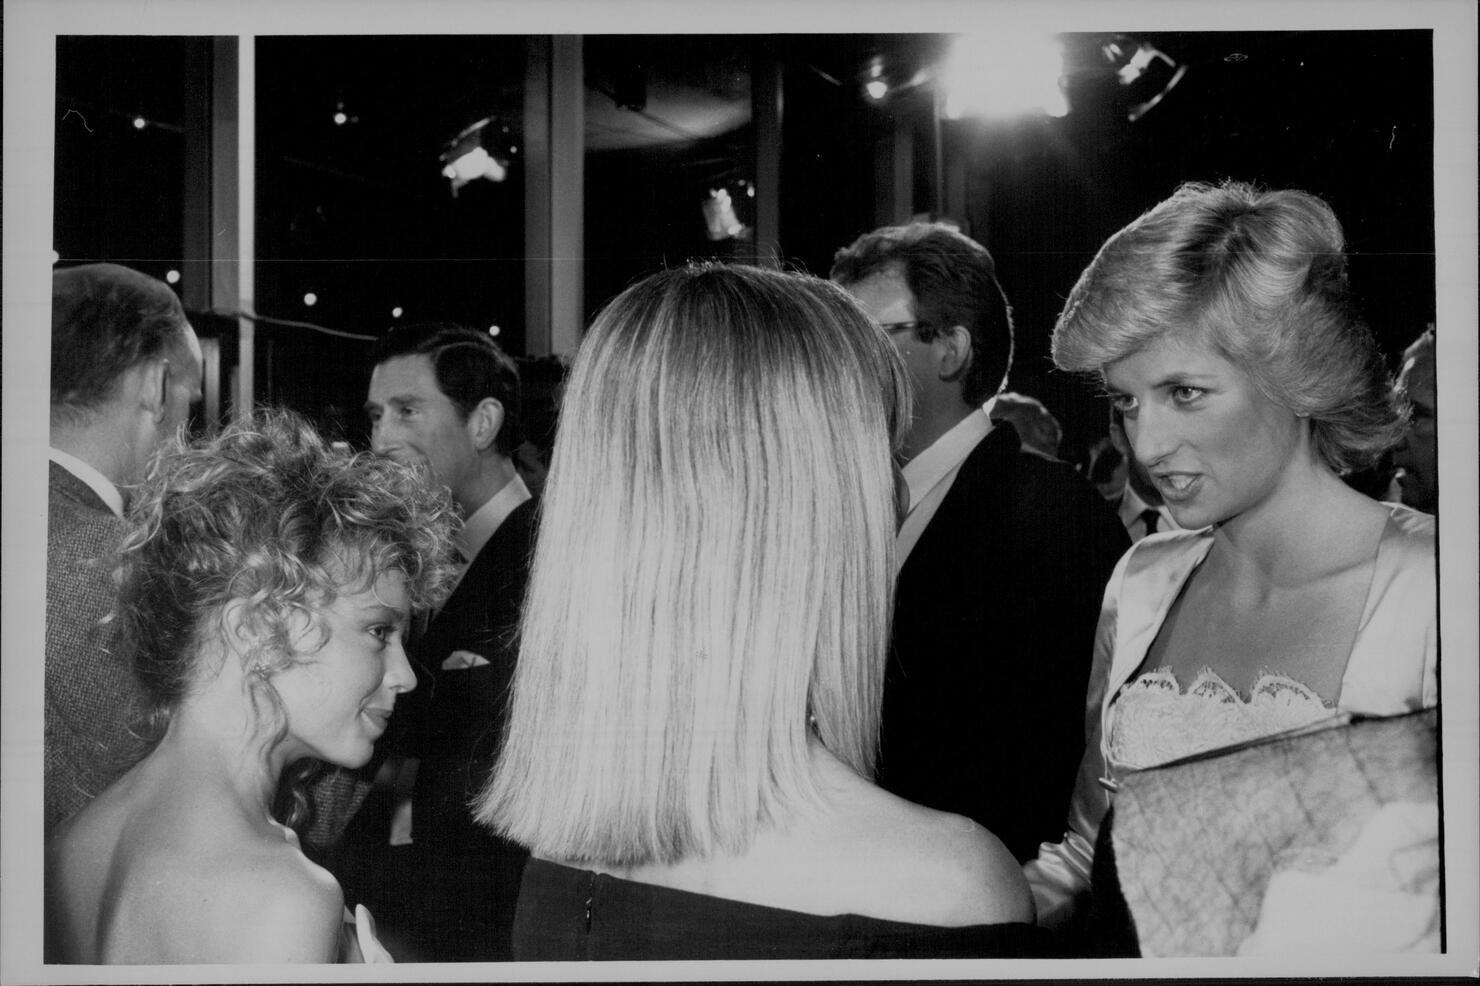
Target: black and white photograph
point(625, 491)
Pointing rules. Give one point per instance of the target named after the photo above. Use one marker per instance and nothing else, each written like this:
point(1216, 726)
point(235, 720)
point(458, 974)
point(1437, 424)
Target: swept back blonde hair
point(1261, 275)
point(715, 560)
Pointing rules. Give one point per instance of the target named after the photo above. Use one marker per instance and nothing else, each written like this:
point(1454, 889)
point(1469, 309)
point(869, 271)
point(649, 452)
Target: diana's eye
point(1124, 403)
point(1186, 395)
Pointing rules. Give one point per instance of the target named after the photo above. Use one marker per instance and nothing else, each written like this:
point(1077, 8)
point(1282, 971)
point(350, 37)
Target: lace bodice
point(1152, 721)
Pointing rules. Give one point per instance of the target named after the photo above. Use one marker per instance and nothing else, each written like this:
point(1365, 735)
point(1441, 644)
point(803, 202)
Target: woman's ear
point(238, 631)
point(954, 352)
point(485, 423)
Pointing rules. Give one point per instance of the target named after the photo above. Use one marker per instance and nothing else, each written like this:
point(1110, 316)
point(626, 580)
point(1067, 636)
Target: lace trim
point(1153, 721)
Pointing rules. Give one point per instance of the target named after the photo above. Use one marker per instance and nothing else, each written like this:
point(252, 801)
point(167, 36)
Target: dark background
point(359, 214)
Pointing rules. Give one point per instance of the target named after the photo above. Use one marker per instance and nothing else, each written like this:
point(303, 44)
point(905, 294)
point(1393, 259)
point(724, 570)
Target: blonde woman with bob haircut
point(267, 585)
point(1220, 325)
point(695, 710)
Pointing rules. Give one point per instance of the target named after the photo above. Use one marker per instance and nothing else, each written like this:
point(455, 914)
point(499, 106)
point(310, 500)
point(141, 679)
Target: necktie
point(1149, 517)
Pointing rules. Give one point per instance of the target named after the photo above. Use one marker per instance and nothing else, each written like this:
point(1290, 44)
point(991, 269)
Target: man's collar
point(481, 526)
point(95, 480)
point(944, 454)
point(1132, 506)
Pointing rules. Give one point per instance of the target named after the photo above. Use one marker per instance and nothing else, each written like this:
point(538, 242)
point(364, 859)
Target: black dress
point(570, 914)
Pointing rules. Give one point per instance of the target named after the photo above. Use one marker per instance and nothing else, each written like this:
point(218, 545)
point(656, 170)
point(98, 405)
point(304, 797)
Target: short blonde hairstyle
point(1261, 276)
point(714, 565)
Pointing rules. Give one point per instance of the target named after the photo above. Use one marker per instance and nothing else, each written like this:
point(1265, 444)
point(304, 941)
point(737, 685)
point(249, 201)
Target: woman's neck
point(1305, 528)
point(211, 750)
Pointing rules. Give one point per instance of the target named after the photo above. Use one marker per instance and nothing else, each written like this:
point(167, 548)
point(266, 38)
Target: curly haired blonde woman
point(267, 587)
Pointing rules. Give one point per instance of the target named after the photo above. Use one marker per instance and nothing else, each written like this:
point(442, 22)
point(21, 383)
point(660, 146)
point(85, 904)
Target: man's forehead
point(403, 378)
point(885, 288)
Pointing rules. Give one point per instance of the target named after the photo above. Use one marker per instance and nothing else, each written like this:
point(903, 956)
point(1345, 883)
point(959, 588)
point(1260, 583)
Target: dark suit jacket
point(91, 697)
point(455, 717)
point(995, 613)
point(465, 879)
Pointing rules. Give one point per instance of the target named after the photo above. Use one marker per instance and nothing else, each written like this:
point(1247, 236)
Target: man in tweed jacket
point(125, 368)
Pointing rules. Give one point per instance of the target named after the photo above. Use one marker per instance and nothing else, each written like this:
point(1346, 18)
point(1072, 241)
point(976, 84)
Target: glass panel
point(120, 152)
point(670, 155)
point(355, 215)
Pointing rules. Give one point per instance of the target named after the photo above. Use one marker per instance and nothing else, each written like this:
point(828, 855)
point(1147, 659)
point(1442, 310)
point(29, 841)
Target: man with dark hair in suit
point(447, 398)
point(1003, 556)
point(125, 368)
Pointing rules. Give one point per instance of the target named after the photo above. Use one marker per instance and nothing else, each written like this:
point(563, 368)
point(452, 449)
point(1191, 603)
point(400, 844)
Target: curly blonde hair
point(269, 515)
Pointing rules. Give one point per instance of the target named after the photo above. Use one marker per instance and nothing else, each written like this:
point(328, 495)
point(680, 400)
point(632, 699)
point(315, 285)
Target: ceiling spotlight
point(874, 82)
point(494, 330)
point(310, 299)
point(56, 258)
point(482, 150)
point(341, 118)
point(140, 123)
point(1147, 71)
point(397, 312)
point(1003, 75)
point(172, 277)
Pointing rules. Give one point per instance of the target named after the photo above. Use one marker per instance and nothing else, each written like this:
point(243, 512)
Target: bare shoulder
point(924, 866)
point(257, 903)
point(291, 910)
point(975, 879)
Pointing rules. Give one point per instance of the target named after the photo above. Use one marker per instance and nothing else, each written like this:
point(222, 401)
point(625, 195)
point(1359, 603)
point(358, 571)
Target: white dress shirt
point(96, 481)
point(477, 529)
point(930, 474)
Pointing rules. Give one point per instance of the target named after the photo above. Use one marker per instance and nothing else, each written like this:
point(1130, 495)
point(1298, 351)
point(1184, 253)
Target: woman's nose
point(1152, 436)
point(398, 671)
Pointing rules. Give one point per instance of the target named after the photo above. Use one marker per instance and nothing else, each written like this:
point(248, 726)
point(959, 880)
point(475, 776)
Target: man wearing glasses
point(1002, 558)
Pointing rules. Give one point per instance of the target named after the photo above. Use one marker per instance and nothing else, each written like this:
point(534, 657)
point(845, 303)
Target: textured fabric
point(1392, 668)
point(1197, 843)
point(570, 914)
point(993, 630)
point(1156, 721)
point(111, 496)
point(92, 701)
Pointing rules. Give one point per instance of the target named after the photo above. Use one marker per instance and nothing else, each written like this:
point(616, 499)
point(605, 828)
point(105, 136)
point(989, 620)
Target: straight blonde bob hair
point(1261, 277)
point(714, 567)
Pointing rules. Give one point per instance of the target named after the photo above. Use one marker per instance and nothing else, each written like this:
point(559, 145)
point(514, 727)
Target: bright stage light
point(482, 150)
point(172, 277)
point(1000, 75)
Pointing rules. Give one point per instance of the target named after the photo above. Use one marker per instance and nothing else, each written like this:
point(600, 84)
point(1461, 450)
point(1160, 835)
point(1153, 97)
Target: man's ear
point(485, 423)
point(955, 352)
point(150, 381)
